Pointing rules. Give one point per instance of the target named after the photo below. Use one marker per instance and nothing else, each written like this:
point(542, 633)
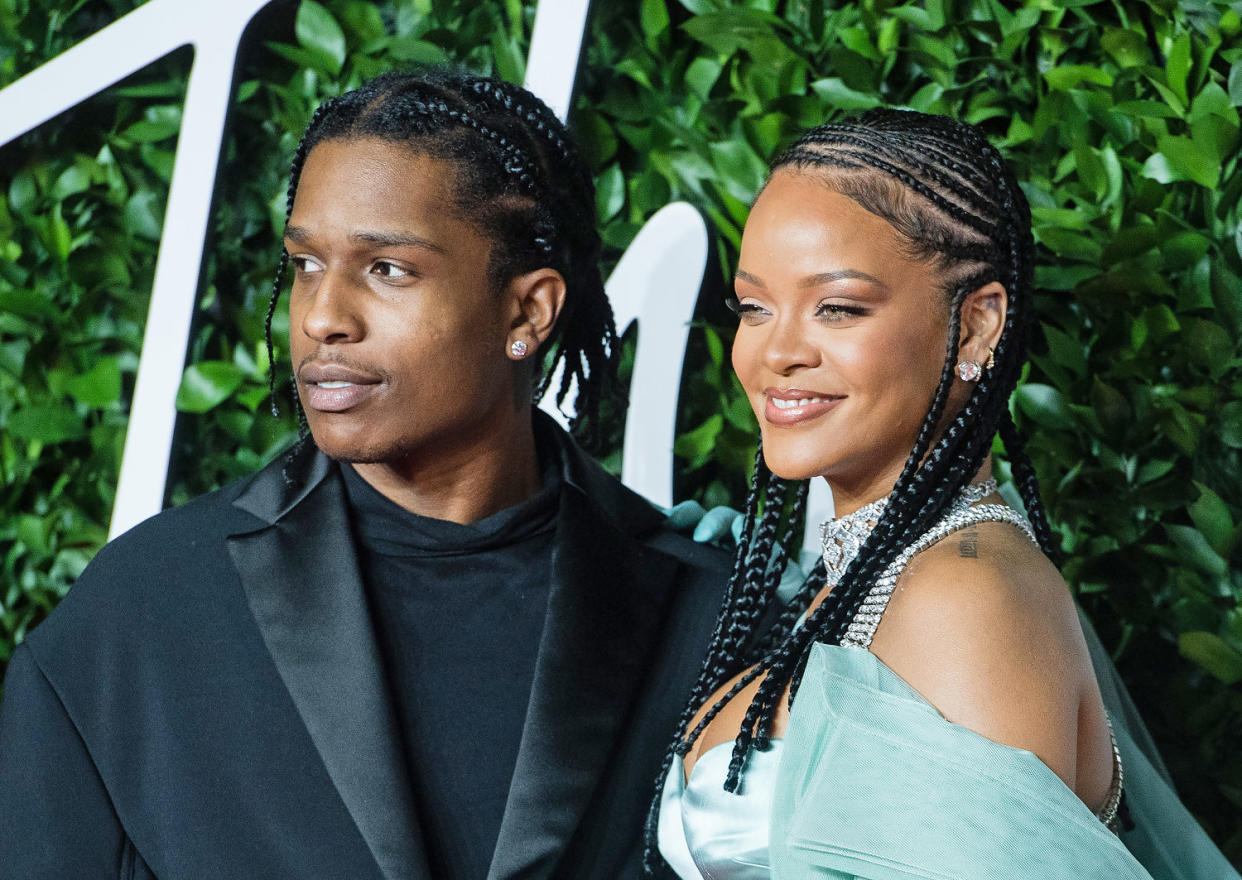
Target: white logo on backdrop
point(656, 283)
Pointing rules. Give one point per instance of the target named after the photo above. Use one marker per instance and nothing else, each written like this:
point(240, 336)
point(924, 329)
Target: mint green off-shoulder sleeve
point(875, 784)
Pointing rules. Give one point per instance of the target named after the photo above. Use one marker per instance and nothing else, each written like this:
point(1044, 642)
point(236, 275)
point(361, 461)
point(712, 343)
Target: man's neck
point(463, 483)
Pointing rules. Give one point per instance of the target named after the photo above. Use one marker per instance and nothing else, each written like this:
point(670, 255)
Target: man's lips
point(334, 387)
point(792, 406)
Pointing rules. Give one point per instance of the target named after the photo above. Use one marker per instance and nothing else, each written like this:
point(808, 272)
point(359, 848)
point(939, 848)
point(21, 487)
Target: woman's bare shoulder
point(984, 627)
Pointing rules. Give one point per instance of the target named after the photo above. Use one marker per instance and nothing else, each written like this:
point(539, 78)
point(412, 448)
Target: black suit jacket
point(208, 701)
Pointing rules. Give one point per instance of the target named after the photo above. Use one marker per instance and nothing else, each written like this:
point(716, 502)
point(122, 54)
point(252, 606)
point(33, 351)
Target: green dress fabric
point(874, 783)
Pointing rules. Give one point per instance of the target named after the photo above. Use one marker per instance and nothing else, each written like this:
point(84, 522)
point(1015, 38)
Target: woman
point(927, 707)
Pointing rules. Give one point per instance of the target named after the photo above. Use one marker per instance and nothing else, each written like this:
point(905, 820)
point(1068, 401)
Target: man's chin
point(352, 453)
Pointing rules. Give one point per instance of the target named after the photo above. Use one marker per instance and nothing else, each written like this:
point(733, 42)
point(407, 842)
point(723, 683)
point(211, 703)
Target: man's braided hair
point(520, 180)
point(957, 207)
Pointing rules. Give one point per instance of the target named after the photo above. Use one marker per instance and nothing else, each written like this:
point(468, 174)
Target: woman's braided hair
point(520, 179)
point(957, 206)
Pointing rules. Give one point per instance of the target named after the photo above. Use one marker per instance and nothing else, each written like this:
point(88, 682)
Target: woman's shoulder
point(982, 625)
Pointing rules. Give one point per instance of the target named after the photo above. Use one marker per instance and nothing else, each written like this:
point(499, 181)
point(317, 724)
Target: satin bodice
point(709, 833)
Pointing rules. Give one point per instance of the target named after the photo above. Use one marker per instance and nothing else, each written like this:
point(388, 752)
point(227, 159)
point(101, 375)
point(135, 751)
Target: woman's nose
point(788, 347)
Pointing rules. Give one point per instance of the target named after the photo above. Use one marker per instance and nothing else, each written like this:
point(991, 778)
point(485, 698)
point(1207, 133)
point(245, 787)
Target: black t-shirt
point(459, 611)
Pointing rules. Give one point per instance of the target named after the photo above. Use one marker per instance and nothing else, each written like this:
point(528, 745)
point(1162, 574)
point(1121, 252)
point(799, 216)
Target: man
point(438, 641)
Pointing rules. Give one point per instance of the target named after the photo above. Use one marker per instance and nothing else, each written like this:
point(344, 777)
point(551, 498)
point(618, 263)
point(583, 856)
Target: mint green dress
point(871, 782)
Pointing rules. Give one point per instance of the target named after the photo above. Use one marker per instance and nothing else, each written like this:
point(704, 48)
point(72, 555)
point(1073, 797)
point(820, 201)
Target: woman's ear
point(535, 299)
point(983, 321)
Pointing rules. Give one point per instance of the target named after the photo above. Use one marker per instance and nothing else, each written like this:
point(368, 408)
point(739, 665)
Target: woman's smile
point(794, 406)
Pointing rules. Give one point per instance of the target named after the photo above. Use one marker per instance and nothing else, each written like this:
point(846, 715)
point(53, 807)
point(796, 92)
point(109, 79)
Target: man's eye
point(389, 270)
point(304, 264)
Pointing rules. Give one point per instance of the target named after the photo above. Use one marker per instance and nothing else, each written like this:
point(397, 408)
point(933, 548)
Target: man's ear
point(535, 299)
point(983, 321)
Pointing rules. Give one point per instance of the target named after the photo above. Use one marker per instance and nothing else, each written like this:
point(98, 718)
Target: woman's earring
point(518, 349)
point(991, 358)
point(970, 371)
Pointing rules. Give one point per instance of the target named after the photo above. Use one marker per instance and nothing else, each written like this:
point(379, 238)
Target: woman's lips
point(329, 387)
point(793, 406)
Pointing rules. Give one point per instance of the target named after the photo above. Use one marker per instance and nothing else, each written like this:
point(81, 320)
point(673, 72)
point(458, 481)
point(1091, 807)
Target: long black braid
point(956, 205)
point(520, 180)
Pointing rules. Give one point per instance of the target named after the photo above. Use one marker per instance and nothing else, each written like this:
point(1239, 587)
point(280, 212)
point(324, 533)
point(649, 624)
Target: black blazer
point(208, 700)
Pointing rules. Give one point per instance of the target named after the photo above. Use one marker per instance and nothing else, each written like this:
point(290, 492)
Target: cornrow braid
point(520, 180)
point(954, 203)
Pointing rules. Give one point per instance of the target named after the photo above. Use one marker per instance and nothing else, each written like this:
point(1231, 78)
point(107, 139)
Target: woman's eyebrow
point(839, 275)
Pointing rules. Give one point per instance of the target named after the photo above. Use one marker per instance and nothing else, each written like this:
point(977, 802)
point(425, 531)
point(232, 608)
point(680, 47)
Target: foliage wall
point(1121, 118)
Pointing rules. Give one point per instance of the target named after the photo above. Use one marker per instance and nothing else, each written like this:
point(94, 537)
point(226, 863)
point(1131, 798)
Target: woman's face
point(841, 338)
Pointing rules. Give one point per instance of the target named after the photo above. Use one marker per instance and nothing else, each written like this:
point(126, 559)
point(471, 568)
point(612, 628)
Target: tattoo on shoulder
point(968, 545)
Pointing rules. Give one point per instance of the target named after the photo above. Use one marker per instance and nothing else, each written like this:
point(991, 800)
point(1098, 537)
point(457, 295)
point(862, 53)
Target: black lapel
point(605, 611)
point(301, 578)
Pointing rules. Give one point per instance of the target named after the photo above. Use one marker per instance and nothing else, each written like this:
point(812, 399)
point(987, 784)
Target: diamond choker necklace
point(842, 538)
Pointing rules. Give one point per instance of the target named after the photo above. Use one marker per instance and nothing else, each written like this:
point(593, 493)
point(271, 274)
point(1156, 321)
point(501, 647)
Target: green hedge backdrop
point(1121, 118)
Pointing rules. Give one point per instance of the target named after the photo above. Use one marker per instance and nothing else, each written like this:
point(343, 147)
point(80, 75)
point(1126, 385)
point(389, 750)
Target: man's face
point(397, 337)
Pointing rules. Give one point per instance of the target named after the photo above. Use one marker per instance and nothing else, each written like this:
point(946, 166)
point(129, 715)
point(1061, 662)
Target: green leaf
point(1231, 424)
point(741, 169)
point(653, 17)
point(731, 30)
point(1072, 75)
point(23, 193)
point(74, 180)
point(46, 424)
point(1182, 159)
point(836, 94)
point(609, 193)
point(157, 124)
point(1066, 351)
point(1196, 550)
point(318, 32)
point(1146, 109)
point(144, 215)
point(28, 303)
point(698, 444)
point(929, 19)
point(100, 386)
point(701, 75)
point(1127, 47)
point(1177, 67)
point(509, 57)
point(1212, 653)
point(410, 48)
point(1111, 406)
point(1235, 84)
point(206, 385)
point(1211, 517)
point(1044, 405)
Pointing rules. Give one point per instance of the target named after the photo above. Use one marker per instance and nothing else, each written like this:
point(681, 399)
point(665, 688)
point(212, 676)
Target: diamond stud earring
point(970, 371)
point(518, 349)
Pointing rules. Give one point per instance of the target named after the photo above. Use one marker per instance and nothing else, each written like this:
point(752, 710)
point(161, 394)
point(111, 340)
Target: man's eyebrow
point(395, 239)
point(300, 235)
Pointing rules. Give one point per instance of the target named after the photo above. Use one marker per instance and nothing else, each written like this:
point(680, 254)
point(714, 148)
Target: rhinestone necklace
point(843, 537)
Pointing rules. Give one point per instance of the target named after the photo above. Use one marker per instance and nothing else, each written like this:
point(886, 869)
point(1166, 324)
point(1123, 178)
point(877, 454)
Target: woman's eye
point(304, 265)
point(389, 270)
point(742, 309)
point(838, 311)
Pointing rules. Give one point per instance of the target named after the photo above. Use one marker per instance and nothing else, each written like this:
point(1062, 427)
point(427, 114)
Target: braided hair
point(956, 206)
point(520, 180)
